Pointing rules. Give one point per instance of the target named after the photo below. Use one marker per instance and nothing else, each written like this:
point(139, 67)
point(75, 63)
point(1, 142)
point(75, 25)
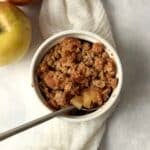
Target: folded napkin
point(59, 15)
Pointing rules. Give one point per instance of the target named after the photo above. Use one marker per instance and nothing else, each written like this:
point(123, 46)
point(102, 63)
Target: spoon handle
point(33, 123)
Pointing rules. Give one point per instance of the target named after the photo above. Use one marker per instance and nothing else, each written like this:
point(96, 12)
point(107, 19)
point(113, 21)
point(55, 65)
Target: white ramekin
point(91, 37)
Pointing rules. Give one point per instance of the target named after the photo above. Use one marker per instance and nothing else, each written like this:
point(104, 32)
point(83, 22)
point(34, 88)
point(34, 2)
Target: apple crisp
point(76, 72)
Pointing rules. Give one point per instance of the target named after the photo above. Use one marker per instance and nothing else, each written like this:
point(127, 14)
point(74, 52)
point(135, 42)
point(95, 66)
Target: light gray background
point(129, 127)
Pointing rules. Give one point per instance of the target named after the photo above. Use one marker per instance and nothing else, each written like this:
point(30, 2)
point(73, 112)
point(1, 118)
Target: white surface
point(129, 128)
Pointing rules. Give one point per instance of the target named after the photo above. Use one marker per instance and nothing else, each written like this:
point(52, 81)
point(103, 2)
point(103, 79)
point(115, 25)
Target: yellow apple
point(15, 33)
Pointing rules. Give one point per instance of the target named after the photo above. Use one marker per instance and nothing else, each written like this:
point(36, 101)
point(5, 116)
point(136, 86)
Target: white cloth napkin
point(59, 15)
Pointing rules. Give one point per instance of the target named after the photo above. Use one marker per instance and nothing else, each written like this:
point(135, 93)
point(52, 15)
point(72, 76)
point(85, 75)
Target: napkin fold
point(60, 15)
point(89, 15)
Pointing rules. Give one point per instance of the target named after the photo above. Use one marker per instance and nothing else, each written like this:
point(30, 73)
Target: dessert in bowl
point(77, 68)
